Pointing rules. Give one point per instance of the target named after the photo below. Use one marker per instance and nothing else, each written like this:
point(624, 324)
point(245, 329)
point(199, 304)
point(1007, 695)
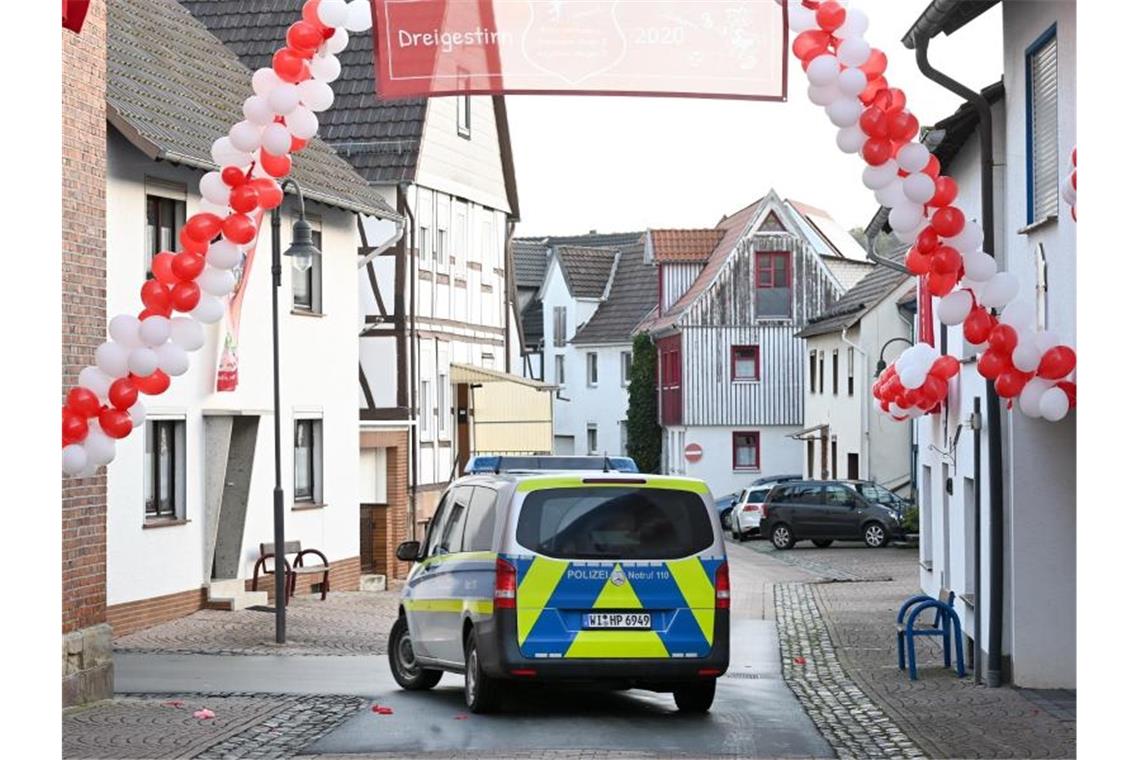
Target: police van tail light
point(723, 595)
point(505, 584)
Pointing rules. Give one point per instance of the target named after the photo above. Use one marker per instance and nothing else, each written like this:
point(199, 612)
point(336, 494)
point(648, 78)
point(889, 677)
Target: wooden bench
point(267, 564)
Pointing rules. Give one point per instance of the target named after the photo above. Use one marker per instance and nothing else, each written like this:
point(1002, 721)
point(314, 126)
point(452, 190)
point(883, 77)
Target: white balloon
point(337, 43)
point(315, 95)
point(187, 334)
point(100, 447)
point(897, 411)
point(325, 68)
point(245, 136)
point(213, 188)
point(257, 111)
point(154, 331)
point(969, 239)
point(276, 139)
point(906, 216)
point(854, 25)
point(332, 13)
point(850, 139)
point(111, 359)
point(217, 282)
point(854, 51)
point(124, 330)
point(823, 70)
point(359, 17)
point(851, 82)
point(823, 96)
point(1030, 399)
point(913, 157)
point(172, 359)
point(1026, 357)
point(138, 413)
point(208, 310)
point(979, 266)
point(1054, 404)
point(223, 254)
point(875, 177)
point(74, 459)
point(918, 187)
point(302, 123)
point(219, 209)
point(892, 195)
point(800, 19)
point(911, 377)
point(954, 307)
point(97, 381)
point(845, 111)
point(1068, 192)
point(1045, 340)
point(265, 80)
point(1020, 314)
point(284, 98)
point(999, 291)
point(225, 154)
point(907, 236)
point(142, 361)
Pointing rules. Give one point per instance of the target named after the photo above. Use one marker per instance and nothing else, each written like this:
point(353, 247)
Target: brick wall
point(389, 521)
point(84, 147)
point(143, 613)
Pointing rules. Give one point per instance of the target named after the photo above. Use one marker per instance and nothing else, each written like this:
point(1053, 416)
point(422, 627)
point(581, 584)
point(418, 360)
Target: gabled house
point(437, 304)
point(731, 369)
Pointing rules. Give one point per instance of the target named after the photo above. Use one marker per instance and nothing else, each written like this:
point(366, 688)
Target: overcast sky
point(619, 164)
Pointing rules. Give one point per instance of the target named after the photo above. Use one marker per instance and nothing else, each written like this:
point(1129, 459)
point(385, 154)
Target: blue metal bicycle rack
point(946, 623)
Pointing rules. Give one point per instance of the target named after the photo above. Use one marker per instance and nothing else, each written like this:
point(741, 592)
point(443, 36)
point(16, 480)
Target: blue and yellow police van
point(595, 577)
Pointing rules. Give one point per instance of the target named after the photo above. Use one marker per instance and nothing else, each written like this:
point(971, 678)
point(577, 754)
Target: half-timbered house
point(730, 367)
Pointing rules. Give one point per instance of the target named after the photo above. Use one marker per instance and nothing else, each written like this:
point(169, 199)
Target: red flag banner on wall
point(685, 48)
point(74, 12)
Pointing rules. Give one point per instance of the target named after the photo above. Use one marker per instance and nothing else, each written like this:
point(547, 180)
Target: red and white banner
point(684, 48)
point(227, 376)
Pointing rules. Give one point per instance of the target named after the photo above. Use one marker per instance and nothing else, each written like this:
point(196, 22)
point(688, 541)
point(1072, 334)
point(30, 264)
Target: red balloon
point(83, 401)
point(160, 267)
point(945, 367)
point(946, 260)
point(903, 126)
point(993, 364)
point(152, 384)
point(275, 166)
point(1068, 387)
point(304, 38)
point(203, 226)
point(875, 65)
point(977, 326)
point(927, 240)
point(238, 229)
point(891, 100)
point(187, 266)
point(935, 387)
point(290, 65)
point(191, 243)
point(115, 423)
point(811, 43)
point(830, 16)
point(243, 198)
point(1011, 383)
point(297, 144)
point(1003, 339)
point(123, 394)
point(876, 151)
point(1057, 362)
point(874, 123)
point(875, 85)
point(945, 191)
point(309, 13)
point(940, 284)
point(918, 262)
point(185, 296)
point(234, 176)
point(933, 167)
point(269, 194)
point(74, 426)
point(155, 297)
point(948, 221)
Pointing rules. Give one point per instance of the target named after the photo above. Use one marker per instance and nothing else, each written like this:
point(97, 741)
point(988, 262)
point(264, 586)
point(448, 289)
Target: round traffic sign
point(694, 452)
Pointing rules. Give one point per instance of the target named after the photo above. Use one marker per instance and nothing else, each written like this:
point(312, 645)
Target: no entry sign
point(690, 48)
point(694, 452)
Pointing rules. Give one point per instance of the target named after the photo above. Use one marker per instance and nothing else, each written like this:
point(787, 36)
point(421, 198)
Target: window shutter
point(1043, 93)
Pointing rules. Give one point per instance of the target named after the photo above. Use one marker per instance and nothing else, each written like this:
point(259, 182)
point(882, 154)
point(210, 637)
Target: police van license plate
point(635, 620)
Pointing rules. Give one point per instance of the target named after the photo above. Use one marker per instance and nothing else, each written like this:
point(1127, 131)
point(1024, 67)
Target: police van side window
point(452, 535)
point(438, 521)
point(478, 536)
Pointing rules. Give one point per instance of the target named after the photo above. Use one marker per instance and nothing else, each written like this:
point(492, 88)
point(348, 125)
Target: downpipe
point(413, 347)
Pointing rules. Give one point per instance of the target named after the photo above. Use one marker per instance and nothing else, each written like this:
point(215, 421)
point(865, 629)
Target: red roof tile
point(684, 245)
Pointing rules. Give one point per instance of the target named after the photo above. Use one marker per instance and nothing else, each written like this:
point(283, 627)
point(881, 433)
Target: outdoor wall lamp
point(882, 365)
point(302, 251)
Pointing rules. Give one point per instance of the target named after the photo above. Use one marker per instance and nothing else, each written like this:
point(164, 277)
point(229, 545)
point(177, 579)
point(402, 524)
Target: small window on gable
point(773, 285)
point(745, 362)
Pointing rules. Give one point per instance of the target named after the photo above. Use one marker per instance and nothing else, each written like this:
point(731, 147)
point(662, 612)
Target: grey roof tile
point(632, 297)
point(529, 259)
point(590, 239)
point(587, 270)
point(861, 298)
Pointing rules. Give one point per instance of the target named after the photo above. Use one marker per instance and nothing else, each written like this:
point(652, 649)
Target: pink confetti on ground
point(204, 714)
point(173, 703)
point(462, 716)
point(381, 710)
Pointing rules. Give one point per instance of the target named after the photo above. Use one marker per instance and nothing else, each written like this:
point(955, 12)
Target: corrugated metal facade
point(675, 280)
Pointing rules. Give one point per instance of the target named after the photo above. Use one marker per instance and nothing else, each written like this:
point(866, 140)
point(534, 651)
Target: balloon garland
point(1069, 185)
point(847, 79)
point(145, 351)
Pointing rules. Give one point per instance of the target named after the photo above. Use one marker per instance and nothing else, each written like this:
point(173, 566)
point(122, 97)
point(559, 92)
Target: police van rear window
point(614, 523)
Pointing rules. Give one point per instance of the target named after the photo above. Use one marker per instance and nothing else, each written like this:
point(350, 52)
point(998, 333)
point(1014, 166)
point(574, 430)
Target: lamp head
point(302, 249)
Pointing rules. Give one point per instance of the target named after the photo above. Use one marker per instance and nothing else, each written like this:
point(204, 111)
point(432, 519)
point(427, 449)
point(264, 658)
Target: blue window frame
point(1041, 127)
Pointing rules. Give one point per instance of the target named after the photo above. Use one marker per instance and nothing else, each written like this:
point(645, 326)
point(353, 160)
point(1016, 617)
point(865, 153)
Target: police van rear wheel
point(696, 697)
point(402, 660)
point(480, 692)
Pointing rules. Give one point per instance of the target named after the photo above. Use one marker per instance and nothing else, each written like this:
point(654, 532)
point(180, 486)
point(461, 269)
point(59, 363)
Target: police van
point(594, 577)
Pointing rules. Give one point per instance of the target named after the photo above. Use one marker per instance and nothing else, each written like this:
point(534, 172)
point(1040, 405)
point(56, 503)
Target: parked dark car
point(823, 511)
point(724, 505)
point(775, 479)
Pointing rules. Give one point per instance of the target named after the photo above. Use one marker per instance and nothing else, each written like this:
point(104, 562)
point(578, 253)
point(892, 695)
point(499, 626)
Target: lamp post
point(302, 251)
point(882, 365)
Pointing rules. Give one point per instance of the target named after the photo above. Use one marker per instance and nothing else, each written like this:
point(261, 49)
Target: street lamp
point(302, 251)
point(882, 365)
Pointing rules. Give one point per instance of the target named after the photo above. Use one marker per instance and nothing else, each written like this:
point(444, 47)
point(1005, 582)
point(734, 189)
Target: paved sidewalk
point(347, 623)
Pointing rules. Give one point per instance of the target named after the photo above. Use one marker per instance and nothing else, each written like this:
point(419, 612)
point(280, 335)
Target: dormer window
point(773, 285)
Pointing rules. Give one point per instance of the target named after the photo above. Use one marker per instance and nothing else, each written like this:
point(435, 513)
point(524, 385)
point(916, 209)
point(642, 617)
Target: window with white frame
point(1042, 172)
point(443, 410)
point(307, 464)
point(626, 367)
point(592, 438)
point(441, 246)
point(425, 243)
point(164, 476)
point(424, 412)
point(165, 215)
point(850, 371)
point(591, 368)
